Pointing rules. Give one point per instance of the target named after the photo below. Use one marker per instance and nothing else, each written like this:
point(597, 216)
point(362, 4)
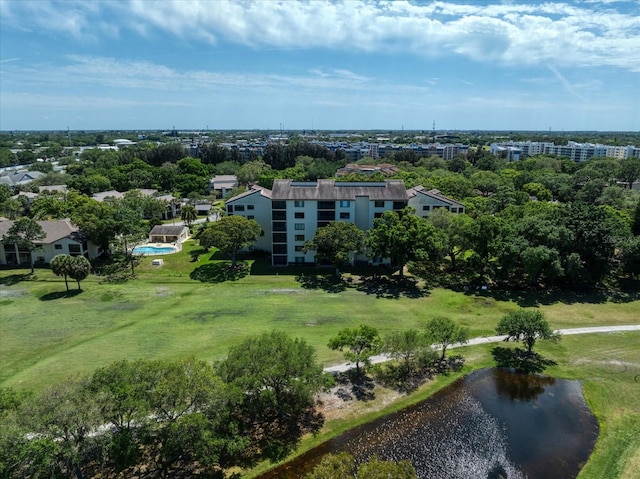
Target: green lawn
point(45, 335)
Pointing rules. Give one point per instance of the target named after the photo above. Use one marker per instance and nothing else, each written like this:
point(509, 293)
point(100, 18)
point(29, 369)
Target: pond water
point(492, 423)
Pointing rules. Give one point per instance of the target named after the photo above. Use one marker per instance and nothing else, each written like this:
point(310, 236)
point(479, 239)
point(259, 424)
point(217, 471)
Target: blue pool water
point(151, 250)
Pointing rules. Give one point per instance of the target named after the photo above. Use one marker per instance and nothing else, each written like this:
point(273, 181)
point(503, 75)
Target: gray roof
point(331, 190)
point(435, 194)
point(55, 230)
point(19, 177)
point(254, 189)
point(171, 230)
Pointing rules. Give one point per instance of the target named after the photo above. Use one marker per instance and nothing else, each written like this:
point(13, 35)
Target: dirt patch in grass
point(11, 293)
point(339, 403)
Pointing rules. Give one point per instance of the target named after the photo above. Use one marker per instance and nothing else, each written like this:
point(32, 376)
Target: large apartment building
point(517, 150)
point(291, 213)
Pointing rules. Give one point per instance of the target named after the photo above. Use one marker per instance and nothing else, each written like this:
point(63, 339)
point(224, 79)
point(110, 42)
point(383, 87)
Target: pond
point(492, 423)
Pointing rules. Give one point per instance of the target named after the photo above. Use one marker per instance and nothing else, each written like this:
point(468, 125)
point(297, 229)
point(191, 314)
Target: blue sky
point(142, 64)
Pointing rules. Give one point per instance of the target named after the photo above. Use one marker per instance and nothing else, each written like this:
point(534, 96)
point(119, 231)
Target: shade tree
point(527, 326)
point(445, 332)
point(230, 234)
point(335, 243)
point(401, 237)
point(25, 234)
point(358, 345)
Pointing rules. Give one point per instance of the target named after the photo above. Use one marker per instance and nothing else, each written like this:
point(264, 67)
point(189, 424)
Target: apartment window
point(299, 259)
point(58, 246)
point(454, 210)
point(229, 208)
point(299, 215)
point(250, 207)
point(279, 226)
point(298, 249)
point(74, 248)
point(426, 207)
point(278, 205)
point(377, 215)
point(279, 249)
point(379, 204)
point(251, 217)
point(279, 237)
point(278, 215)
point(299, 238)
point(326, 205)
point(398, 205)
point(279, 260)
point(345, 216)
point(299, 226)
point(239, 208)
point(345, 203)
point(298, 203)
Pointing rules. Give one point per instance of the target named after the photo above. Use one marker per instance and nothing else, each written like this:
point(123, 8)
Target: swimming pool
point(153, 250)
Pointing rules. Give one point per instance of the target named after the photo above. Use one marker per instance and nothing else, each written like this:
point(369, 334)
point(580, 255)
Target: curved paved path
point(380, 358)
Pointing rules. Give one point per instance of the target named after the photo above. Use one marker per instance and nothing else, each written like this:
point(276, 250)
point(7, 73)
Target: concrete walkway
point(381, 358)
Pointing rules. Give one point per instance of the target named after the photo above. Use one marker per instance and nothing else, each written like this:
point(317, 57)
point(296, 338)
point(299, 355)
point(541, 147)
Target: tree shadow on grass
point(520, 360)
point(60, 294)
point(535, 298)
point(219, 272)
point(330, 284)
point(391, 288)
point(361, 386)
point(15, 279)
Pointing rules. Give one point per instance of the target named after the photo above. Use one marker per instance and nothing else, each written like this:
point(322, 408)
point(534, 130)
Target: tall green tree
point(61, 265)
point(526, 325)
point(401, 237)
point(629, 171)
point(335, 243)
point(25, 233)
point(79, 269)
point(277, 377)
point(451, 230)
point(358, 345)
point(188, 214)
point(445, 332)
point(230, 234)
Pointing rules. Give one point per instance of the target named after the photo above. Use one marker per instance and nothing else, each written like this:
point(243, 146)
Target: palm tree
point(188, 214)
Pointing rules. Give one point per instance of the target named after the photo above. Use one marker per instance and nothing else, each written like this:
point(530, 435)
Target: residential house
point(18, 177)
point(223, 184)
point(425, 201)
point(62, 237)
point(254, 204)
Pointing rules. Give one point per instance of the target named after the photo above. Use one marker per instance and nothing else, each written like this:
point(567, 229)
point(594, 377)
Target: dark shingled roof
point(169, 230)
point(330, 190)
point(435, 194)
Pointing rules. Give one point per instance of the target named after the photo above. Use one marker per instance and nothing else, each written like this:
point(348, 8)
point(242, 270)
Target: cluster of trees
point(166, 419)
point(413, 350)
point(524, 245)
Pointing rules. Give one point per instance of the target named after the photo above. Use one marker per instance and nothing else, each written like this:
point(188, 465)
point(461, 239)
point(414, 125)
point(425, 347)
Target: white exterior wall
point(420, 200)
point(261, 213)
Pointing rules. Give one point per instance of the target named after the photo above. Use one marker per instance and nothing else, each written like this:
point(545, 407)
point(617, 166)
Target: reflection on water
point(490, 424)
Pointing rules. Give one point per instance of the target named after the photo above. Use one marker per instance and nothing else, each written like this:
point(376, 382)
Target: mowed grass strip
point(46, 335)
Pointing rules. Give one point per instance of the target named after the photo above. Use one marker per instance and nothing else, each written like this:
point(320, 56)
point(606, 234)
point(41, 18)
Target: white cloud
point(582, 34)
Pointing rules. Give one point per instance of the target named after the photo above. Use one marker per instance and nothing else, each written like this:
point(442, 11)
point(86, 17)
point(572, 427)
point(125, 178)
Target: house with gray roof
point(62, 237)
point(425, 201)
point(19, 177)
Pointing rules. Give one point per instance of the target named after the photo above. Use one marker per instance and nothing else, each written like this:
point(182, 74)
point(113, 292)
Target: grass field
point(46, 335)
